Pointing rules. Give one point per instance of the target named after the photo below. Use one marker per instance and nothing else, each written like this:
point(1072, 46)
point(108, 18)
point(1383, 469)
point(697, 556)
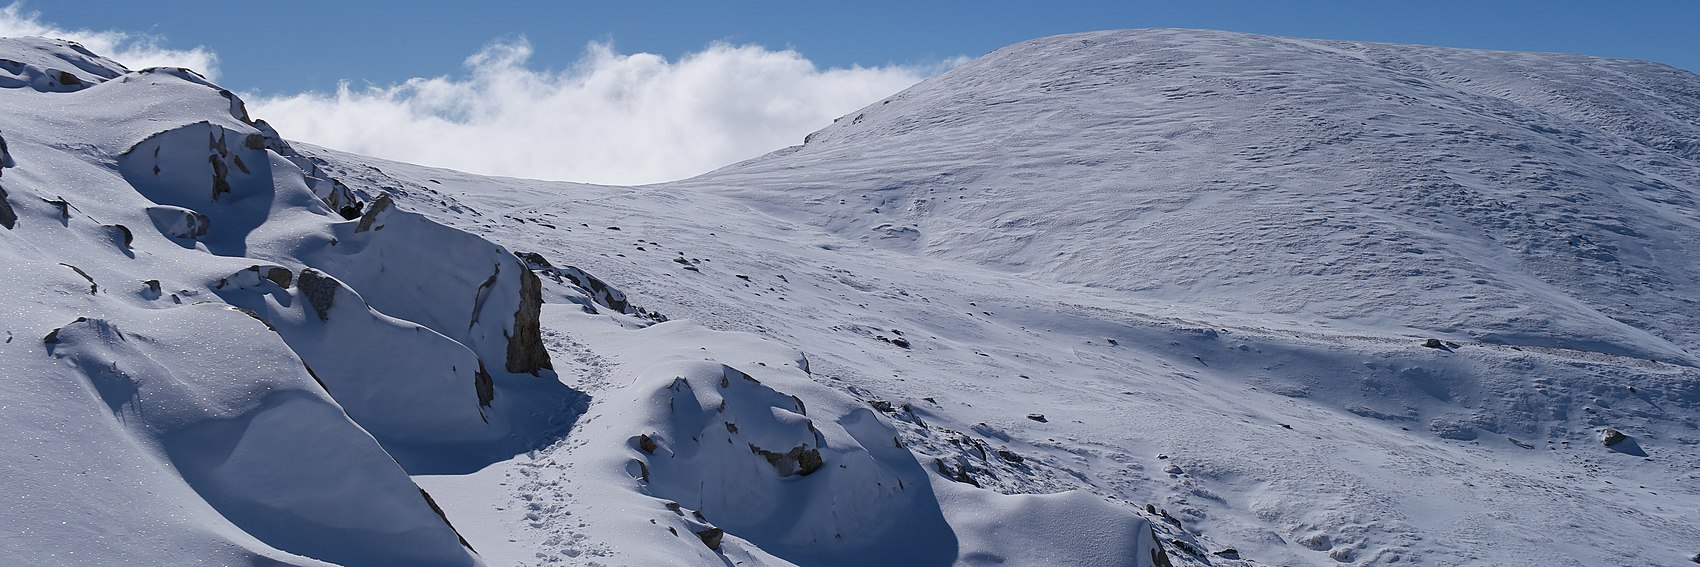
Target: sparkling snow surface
point(1007, 309)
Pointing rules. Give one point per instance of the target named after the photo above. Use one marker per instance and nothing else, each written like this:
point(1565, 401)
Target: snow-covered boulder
point(449, 281)
point(225, 404)
point(52, 65)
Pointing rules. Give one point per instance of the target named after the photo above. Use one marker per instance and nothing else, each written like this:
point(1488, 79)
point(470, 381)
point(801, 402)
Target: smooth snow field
point(1141, 298)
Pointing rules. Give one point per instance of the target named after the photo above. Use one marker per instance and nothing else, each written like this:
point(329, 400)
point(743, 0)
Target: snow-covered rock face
point(195, 317)
point(52, 65)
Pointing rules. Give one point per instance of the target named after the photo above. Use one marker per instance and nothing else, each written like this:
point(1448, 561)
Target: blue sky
point(607, 93)
point(276, 47)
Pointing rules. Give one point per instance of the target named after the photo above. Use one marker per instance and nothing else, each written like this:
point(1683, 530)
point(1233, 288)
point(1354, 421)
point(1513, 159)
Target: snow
point(1118, 298)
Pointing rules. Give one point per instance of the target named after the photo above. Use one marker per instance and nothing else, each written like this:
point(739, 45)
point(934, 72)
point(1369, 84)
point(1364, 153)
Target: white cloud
point(136, 51)
point(610, 118)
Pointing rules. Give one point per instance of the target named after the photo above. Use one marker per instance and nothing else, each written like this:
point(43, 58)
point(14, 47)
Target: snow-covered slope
point(1212, 262)
point(1121, 298)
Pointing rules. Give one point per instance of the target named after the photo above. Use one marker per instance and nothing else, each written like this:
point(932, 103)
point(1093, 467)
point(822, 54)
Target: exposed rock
point(1435, 344)
point(121, 234)
point(799, 461)
point(1159, 557)
point(598, 290)
point(1609, 436)
point(486, 387)
point(8, 217)
point(320, 291)
point(1229, 553)
point(439, 510)
point(93, 287)
point(280, 276)
point(959, 475)
point(221, 176)
point(1341, 554)
point(647, 445)
point(368, 218)
point(1009, 455)
point(526, 352)
point(5, 156)
point(178, 222)
point(1039, 417)
point(711, 537)
point(153, 286)
point(64, 209)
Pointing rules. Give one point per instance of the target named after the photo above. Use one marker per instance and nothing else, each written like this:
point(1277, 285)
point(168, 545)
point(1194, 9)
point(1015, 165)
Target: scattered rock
point(711, 537)
point(1159, 557)
point(1039, 417)
point(370, 216)
point(1436, 344)
point(1009, 456)
point(901, 342)
point(1229, 553)
point(122, 235)
point(93, 287)
point(178, 222)
point(799, 461)
point(959, 475)
point(1341, 554)
point(320, 291)
point(8, 217)
point(64, 209)
point(1172, 469)
point(1609, 436)
point(881, 405)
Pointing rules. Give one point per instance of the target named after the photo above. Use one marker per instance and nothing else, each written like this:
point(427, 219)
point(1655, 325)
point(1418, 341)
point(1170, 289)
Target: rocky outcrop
point(598, 290)
point(5, 156)
point(8, 217)
point(178, 222)
point(799, 461)
point(370, 216)
point(526, 352)
point(320, 291)
point(1610, 437)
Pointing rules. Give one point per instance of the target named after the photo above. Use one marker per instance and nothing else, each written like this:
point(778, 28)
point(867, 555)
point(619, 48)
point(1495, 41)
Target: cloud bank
point(136, 51)
point(610, 118)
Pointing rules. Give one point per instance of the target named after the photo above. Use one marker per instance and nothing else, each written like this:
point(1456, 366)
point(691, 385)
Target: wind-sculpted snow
point(52, 65)
point(240, 401)
point(1143, 298)
point(1512, 198)
point(233, 412)
point(1296, 302)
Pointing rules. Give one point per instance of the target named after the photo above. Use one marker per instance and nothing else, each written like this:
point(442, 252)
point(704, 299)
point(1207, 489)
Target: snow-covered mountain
point(1121, 298)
